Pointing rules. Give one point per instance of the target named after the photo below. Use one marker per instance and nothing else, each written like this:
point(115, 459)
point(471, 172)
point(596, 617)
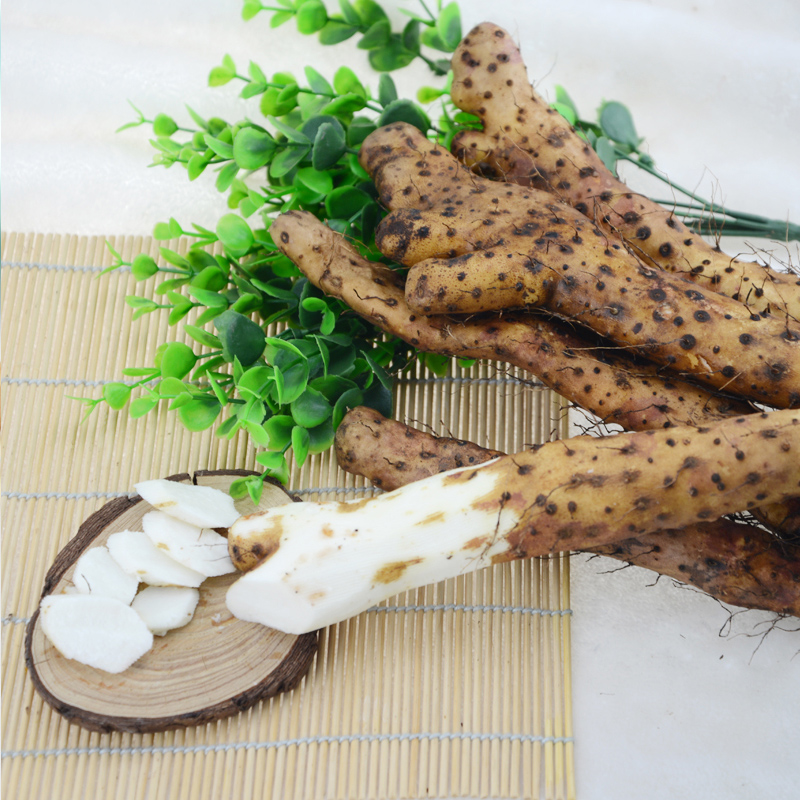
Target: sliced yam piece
point(202, 550)
point(138, 556)
point(164, 608)
point(95, 630)
point(202, 506)
point(96, 572)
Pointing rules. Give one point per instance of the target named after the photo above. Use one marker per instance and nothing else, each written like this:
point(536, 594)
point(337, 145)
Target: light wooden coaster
point(213, 667)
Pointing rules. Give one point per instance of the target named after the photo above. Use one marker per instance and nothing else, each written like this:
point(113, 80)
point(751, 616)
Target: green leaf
point(203, 337)
point(250, 9)
point(279, 430)
point(378, 35)
point(279, 17)
point(171, 387)
point(379, 371)
point(328, 317)
point(255, 381)
point(197, 165)
point(252, 148)
point(369, 12)
point(143, 267)
point(311, 17)
point(411, 36)
point(329, 147)
point(566, 112)
point(292, 382)
point(335, 32)
point(379, 398)
point(164, 125)
point(240, 337)
point(321, 438)
point(605, 149)
point(387, 91)
point(405, 111)
point(448, 26)
point(351, 16)
point(116, 395)
point(300, 443)
point(431, 38)
point(177, 360)
point(428, 94)
point(345, 202)
point(235, 235)
point(345, 81)
point(311, 408)
point(199, 413)
point(142, 405)
point(226, 176)
point(272, 105)
point(207, 298)
point(287, 160)
point(221, 75)
point(317, 82)
point(314, 179)
point(617, 123)
point(358, 130)
point(347, 400)
point(221, 148)
point(275, 465)
point(345, 105)
point(563, 99)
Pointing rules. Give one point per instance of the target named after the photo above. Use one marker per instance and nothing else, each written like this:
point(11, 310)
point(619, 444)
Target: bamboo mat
point(456, 690)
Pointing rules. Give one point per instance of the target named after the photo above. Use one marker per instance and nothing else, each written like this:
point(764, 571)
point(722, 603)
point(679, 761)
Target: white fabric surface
point(665, 706)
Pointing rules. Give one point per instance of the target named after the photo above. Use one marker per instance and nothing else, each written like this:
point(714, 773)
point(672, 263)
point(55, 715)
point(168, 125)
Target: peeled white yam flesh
point(96, 572)
point(332, 562)
point(202, 506)
point(138, 556)
point(164, 608)
point(99, 631)
point(204, 551)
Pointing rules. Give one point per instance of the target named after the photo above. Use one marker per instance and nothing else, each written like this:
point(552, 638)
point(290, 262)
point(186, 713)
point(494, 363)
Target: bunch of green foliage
point(299, 150)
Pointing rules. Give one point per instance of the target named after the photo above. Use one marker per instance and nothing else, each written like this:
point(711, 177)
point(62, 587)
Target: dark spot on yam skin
point(643, 232)
point(728, 371)
point(665, 249)
point(702, 316)
point(687, 341)
point(659, 295)
point(492, 67)
point(637, 327)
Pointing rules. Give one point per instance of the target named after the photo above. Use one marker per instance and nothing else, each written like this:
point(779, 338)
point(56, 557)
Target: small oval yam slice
point(98, 631)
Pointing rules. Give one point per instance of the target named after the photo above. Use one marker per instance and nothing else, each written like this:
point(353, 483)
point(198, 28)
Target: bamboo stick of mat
point(461, 689)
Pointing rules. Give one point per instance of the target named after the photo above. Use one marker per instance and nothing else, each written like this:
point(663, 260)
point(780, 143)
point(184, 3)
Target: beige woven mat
point(456, 690)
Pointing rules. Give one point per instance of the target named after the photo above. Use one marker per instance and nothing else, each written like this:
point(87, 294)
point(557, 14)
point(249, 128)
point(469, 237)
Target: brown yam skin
point(611, 384)
point(525, 141)
point(738, 564)
point(537, 251)
point(391, 455)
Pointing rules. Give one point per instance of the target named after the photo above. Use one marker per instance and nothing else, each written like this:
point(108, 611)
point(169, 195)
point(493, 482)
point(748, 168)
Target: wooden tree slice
point(214, 667)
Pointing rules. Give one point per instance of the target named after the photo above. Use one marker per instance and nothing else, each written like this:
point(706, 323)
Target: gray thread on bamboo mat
point(51, 267)
point(473, 381)
point(342, 739)
point(111, 495)
point(544, 612)
point(539, 612)
point(53, 382)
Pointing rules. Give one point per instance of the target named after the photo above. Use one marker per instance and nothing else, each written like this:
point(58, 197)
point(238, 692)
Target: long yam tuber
point(538, 251)
point(314, 564)
point(737, 563)
point(525, 141)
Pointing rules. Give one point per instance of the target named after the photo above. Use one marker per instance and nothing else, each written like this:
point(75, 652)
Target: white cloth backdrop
point(665, 706)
